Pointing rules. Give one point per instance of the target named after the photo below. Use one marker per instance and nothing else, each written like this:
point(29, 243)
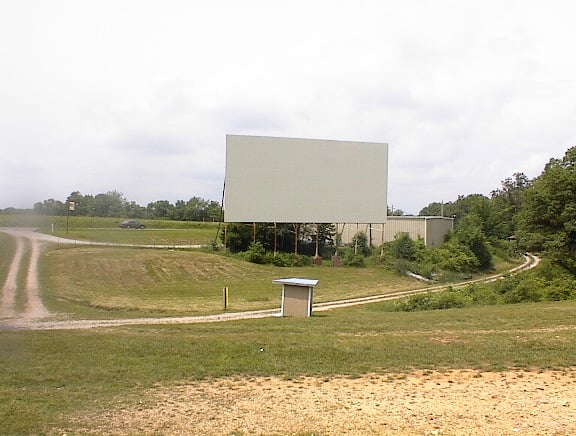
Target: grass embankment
point(97, 282)
point(50, 379)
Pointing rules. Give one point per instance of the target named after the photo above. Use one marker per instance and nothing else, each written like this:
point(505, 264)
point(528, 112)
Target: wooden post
point(295, 238)
point(275, 238)
point(382, 240)
point(317, 239)
point(370, 235)
point(337, 240)
point(225, 297)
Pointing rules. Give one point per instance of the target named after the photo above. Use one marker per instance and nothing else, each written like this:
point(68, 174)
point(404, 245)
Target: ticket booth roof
point(296, 282)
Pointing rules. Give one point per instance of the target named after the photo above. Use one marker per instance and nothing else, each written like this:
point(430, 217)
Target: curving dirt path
point(34, 308)
point(9, 289)
point(35, 315)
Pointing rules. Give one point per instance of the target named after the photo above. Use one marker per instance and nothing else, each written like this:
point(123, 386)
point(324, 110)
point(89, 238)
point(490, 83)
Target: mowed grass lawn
point(154, 237)
point(51, 379)
point(99, 282)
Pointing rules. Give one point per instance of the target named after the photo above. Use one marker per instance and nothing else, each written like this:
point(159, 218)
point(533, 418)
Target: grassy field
point(204, 235)
point(109, 282)
point(51, 378)
point(157, 232)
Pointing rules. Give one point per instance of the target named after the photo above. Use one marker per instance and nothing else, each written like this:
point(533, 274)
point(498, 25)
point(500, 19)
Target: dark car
point(131, 224)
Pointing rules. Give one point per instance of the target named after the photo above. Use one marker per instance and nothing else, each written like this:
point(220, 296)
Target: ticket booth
point(296, 296)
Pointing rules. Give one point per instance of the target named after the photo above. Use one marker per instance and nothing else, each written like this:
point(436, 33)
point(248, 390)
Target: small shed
point(296, 296)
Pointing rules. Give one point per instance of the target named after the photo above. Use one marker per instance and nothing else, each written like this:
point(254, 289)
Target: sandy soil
point(420, 403)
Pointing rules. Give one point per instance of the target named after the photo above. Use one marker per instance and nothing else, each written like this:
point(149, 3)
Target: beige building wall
point(431, 229)
point(437, 228)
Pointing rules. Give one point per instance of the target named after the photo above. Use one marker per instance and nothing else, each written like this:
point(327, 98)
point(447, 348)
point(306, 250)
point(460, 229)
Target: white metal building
point(432, 229)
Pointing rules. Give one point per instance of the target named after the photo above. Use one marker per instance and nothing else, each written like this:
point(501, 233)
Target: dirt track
point(34, 308)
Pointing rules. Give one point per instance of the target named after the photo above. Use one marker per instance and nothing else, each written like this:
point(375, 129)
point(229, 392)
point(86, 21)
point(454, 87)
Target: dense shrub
point(447, 299)
point(255, 253)
point(360, 244)
point(238, 237)
point(404, 247)
point(402, 266)
point(290, 259)
point(559, 290)
point(425, 269)
point(480, 294)
point(547, 283)
point(357, 260)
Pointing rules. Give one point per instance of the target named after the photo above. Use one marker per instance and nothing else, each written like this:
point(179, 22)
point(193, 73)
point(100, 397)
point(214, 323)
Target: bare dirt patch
point(426, 403)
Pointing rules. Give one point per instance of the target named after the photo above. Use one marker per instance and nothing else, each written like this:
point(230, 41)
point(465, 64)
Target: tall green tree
point(475, 204)
point(447, 209)
point(111, 204)
point(237, 237)
point(547, 220)
point(50, 207)
point(83, 203)
point(394, 212)
point(470, 234)
point(507, 202)
point(159, 209)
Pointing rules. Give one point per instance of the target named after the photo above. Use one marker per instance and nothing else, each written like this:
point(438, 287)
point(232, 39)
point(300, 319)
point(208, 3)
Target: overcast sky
point(138, 96)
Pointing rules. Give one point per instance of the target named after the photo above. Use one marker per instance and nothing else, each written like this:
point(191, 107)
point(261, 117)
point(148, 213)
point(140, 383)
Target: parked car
point(131, 224)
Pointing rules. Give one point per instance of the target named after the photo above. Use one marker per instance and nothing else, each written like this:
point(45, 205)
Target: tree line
point(536, 214)
point(114, 204)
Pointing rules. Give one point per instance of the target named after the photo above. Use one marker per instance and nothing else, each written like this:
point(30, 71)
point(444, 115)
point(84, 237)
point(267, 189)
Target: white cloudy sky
point(138, 95)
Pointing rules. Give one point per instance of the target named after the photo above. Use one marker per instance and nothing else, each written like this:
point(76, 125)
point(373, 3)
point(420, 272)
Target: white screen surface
point(292, 180)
